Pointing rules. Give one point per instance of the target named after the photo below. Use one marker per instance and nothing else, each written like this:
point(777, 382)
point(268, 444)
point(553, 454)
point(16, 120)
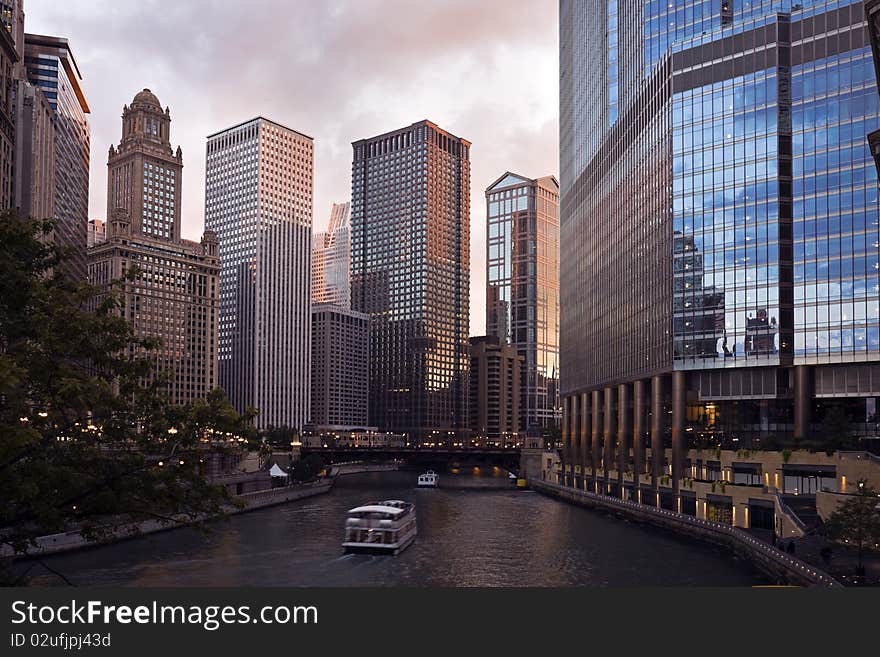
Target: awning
point(277, 472)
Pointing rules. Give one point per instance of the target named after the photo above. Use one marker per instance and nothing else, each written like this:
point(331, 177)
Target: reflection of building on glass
point(699, 308)
point(760, 333)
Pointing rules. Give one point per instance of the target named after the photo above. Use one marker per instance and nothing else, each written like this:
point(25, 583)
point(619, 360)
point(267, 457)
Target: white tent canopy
point(277, 471)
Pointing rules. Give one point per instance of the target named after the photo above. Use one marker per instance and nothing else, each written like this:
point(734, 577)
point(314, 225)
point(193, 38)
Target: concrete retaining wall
point(779, 566)
point(68, 541)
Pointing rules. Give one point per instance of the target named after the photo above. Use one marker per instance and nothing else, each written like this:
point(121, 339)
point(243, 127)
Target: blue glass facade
point(720, 244)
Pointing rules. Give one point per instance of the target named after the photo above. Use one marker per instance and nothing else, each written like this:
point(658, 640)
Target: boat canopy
point(377, 508)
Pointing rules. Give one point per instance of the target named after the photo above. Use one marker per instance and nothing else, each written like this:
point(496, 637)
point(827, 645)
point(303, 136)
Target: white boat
point(428, 480)
point(381, 527)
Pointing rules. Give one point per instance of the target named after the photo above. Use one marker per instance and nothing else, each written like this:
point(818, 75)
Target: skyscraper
point(258, 199)
point(522, 294)
point(410, 244)
point(174, 295)
point(8, 61)
point(52, 68)
point(331, 259)
point(34, 178)
point(719, 228)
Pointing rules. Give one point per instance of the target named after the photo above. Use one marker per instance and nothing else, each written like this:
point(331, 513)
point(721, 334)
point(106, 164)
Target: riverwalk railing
point(752, 545)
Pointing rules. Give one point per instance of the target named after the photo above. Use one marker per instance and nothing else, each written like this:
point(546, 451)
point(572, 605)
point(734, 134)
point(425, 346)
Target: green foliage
point(88, 438)
point(786, 455)
point(856, 522)
point(308, 468)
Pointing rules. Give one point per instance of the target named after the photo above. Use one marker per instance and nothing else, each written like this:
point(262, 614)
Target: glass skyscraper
point(331, 259)
point(410, 262)
point(52, 68)
point(522, 295)
point(719, 230)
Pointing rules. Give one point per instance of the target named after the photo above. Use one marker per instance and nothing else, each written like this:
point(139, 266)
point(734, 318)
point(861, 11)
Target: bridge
point(507, 458)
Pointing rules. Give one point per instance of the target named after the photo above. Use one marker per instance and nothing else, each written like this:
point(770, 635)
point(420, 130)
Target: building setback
point(258, 199)
point(174, 295)
point(410, 244)
point(340, 367)
point(97, 232)
point(495, 380)
point(719, 232)
point(331, 259)
point(51, 67)
point(522, 292)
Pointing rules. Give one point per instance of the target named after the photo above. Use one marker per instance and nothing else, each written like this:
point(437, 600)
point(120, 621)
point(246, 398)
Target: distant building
point(51, 67)
point(331, 259)
point(340, 367)
point(495, 379)
point(410, 267)
point(175, 294)
point(258, 199)
point(97, 232)
point(522, 293)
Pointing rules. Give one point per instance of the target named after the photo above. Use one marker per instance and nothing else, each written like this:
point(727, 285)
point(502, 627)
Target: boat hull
point(392, 549)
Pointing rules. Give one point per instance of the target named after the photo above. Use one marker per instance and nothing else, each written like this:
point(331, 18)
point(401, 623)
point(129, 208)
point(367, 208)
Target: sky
point(336, 70)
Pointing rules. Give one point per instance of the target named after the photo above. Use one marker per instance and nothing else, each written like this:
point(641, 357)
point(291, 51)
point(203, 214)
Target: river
point(467, 537)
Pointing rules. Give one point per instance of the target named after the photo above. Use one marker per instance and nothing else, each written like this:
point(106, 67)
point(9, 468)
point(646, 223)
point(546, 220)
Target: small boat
point(380, 527)
point(428, 480)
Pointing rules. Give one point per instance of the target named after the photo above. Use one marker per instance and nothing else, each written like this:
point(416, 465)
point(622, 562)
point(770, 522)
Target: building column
point(609, 434)
point(803, 401)
point(679, 439)
point(657, 422)
point(638, 428)
point(596, 438)
point(584, 457)
point(575, 438)
point(566, 439)
point(624, 434)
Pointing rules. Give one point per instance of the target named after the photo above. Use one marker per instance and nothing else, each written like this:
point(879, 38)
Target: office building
point(331, 259)
point(495, 381)
point(174, 295)
point(340, 367)
point(258, 199)
point(51, 67)
point(8, 60)
point(719, 234)
point(97, 232)
point(34, 179)
point(410, 262)
point(522, 292)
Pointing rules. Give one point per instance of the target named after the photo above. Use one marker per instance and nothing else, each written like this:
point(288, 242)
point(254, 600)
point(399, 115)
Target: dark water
point(466, 537)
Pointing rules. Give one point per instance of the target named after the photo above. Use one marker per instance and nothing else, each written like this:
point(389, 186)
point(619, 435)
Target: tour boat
point(428, 480)
point(380, 528)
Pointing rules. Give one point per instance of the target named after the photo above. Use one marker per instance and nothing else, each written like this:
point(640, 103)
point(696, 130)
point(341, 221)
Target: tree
point(306, 469)
point(856, 521)
point(88, 438)
point(835, 429)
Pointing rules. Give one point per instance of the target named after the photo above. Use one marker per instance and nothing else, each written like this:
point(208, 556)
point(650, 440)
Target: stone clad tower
point(144, 172)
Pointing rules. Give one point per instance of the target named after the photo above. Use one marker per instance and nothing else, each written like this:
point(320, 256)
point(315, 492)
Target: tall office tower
point(494, 381)
point(97, 233)
point(340, 368)
point(719, 229)
point(52, 68)
point(410, 267)
point(522, 291)
point(258, 198)
point(12, 18)
point(34, 178)
point(331, 259)
point(8, 60)
point(175, 293)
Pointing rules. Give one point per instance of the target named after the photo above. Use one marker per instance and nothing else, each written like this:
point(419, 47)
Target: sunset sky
point(337, 70)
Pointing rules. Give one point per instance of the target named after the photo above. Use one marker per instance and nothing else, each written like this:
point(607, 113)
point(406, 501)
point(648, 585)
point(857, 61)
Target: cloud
point(339, 70)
